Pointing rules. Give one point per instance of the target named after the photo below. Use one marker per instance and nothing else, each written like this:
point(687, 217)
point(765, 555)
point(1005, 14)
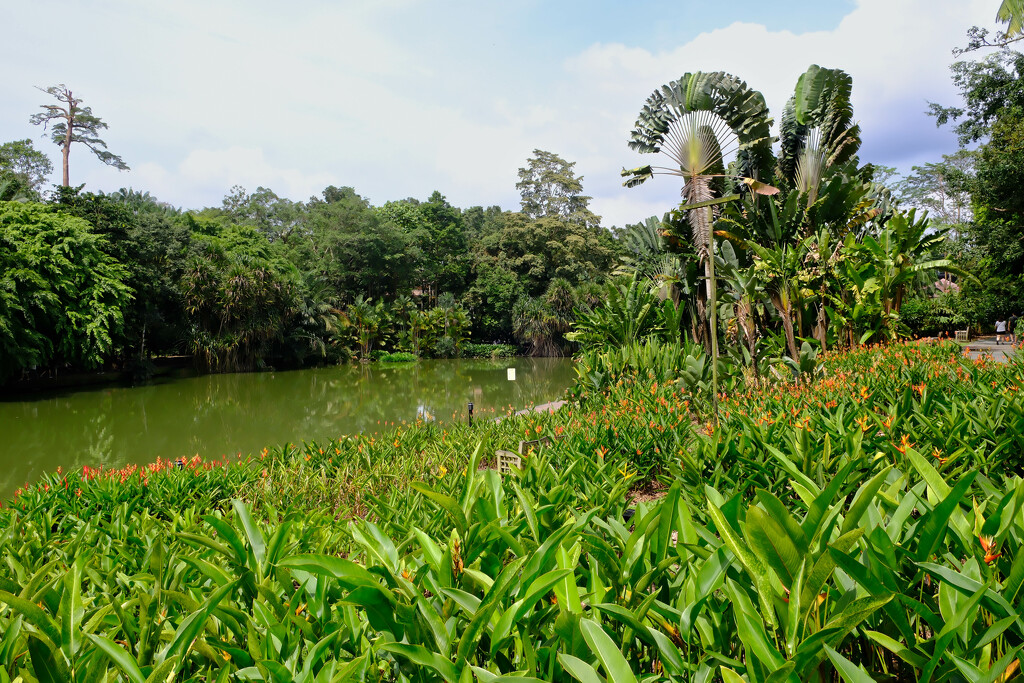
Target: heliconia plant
point(866, 525)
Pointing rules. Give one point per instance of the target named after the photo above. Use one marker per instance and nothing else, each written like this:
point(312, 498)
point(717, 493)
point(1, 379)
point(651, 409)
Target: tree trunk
point(787, 325)
point(66, 152)
point(821, 326)
point(713, 314)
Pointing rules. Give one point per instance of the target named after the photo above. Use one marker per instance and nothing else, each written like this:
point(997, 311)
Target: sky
point(398, 98)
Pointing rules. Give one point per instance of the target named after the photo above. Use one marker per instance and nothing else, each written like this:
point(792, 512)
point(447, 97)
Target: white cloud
point(210, 173)
point(200, 96)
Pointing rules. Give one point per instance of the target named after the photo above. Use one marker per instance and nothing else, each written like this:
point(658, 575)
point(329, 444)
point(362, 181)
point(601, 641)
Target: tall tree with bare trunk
point(74, 123)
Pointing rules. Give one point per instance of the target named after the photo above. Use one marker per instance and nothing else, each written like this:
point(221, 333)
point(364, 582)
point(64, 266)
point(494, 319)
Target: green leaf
point(930, 475)
point(277, 544)
point(865, 494)
point(777, 510)
point(847, 669)
point(232, 538)
point(35, 616)
point(932, 529)
point(730, 676)
point(349, 574)
point(256, 540)
point(824, 567)
point(567, 591)
point(379, 547)
point(750, 629)
point(192, 625)
point(604, 648)
point(71, 611)
point(47, 665)
point(502, 585)
point(161, 673)
point(753, 564)
point(537, 590)
point(812, 521)
point(421, 656)
point(781, 674)
point(772, 543)
point(124, 661)
point(449, 504)
point(897, 648)
point(578, 669)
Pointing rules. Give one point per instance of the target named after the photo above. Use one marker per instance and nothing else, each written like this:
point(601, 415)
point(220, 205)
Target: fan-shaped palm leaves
point(1011, 13)
point(646, 254)
point(817, 136)
point(704, 123)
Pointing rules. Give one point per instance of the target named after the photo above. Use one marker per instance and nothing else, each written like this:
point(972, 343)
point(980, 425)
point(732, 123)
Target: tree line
point(91, 279)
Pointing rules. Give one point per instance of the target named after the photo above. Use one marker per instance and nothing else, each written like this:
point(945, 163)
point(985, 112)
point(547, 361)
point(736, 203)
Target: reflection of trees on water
point(224, 414)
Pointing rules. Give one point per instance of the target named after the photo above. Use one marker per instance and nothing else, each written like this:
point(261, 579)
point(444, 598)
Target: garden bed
point(815, 527)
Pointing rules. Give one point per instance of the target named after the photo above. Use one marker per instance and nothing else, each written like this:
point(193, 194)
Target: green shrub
point(397, 357)
point(489, 351)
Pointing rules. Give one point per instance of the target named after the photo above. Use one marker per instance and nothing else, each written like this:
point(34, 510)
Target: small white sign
point(511, 374)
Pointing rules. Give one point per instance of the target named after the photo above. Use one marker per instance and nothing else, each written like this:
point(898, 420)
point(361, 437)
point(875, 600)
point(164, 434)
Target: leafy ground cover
point(865, 524)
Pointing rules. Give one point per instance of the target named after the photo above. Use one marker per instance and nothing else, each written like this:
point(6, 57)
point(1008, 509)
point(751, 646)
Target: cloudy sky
point(397, 98)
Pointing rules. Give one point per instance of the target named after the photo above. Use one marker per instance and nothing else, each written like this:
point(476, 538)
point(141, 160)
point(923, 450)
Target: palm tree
point(365, 316)
point(816, 135)
point(704, 123)
point(1011, 13)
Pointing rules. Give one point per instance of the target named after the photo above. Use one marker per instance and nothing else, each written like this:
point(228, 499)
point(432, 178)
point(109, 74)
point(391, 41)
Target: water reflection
point(217, 415)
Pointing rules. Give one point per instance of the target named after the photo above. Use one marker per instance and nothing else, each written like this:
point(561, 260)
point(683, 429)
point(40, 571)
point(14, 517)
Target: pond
point(216, 415)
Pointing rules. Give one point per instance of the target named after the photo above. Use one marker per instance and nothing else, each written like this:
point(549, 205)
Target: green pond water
point(216, 415)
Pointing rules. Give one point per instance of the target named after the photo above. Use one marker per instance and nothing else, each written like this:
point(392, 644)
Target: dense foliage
point(975, 193)
point(265, 281)
point(772, 257)
point(865, 525)
point(62, 298)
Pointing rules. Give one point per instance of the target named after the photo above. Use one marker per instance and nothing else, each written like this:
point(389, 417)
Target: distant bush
point(935, 315)
point(489, 351)
point(446, 347)
point(398, 357)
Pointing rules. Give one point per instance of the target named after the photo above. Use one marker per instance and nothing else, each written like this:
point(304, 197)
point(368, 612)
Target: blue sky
point(398, 98)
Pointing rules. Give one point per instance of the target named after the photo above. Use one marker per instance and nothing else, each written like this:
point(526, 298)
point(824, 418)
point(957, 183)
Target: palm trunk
point(787, 325)
point(713, 314)
point(821, 326)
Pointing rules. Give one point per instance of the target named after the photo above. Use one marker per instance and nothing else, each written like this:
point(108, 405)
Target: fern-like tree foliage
point(62, 299)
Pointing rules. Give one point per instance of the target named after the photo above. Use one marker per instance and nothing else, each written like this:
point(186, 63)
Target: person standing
point(1011, 330)
point(1000, 330)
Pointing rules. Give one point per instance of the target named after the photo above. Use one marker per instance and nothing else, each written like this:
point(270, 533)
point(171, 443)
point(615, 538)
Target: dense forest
point(95, 278)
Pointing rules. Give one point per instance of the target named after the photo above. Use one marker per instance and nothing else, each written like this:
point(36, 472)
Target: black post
point(470, 413)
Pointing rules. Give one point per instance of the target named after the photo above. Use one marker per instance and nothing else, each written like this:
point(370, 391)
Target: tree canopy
point(62, 299)
point(21, 161)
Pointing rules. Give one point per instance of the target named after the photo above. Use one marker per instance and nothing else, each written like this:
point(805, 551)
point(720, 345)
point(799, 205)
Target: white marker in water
point(511, 374)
